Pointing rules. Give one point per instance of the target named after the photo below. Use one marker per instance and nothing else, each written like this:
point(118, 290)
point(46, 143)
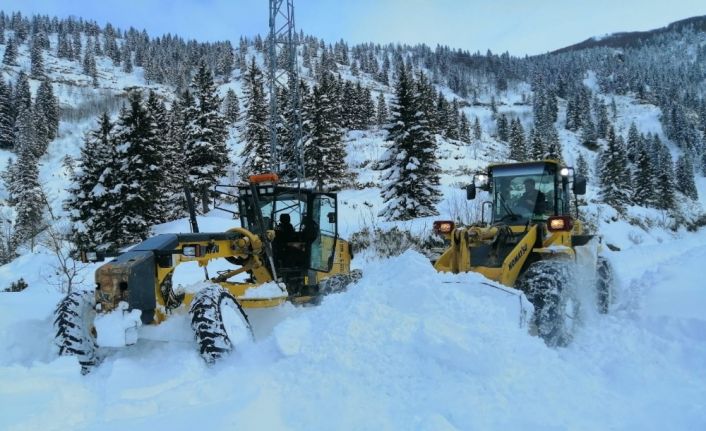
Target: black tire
point(604, 285)
point(219, 322)
point(339, 282)
point(546, 284)
point(73, 328)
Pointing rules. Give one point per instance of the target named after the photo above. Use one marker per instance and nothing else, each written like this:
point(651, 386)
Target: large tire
point(604, 285)
point(546, 284)
point(73, 328)
point(219, 323)
point(339, 282)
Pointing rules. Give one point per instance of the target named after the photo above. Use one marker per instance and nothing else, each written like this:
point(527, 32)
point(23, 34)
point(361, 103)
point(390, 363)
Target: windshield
point(521, 193)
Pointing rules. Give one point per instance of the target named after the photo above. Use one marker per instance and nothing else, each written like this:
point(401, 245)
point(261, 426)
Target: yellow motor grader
point(532, 243)
point(269, 268)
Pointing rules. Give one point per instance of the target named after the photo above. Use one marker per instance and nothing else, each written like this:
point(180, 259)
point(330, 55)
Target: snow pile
point(405, 348)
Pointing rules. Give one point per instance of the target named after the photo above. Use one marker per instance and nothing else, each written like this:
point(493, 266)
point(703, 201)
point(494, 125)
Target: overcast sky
point(518, 26)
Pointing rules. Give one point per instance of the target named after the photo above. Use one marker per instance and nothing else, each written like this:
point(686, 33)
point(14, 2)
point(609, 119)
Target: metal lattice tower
point(283, 73)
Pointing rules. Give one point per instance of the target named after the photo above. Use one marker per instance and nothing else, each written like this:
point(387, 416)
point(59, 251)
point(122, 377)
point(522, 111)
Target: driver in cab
point(532, 199)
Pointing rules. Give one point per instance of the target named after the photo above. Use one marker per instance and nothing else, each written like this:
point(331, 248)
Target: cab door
point(324, 214)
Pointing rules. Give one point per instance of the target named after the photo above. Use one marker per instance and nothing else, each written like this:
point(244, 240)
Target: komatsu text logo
point(519, 255)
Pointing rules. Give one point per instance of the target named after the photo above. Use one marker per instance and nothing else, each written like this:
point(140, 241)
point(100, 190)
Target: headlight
point(190, 250)
point(443, 226)
point(564, 172)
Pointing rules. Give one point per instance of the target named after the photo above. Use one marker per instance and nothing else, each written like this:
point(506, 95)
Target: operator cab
point(303, 221)
point(527, 192)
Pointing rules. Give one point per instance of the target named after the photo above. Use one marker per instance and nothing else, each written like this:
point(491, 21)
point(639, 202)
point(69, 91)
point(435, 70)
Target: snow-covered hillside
point(404, 348)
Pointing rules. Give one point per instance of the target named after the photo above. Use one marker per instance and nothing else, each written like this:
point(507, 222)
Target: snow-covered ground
point(405, 348)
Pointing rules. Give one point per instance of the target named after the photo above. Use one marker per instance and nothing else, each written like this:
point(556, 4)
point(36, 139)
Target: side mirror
point(579, 185)
point(471, 191)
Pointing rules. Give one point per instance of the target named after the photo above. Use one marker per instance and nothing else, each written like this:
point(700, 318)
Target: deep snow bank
point(406, 348)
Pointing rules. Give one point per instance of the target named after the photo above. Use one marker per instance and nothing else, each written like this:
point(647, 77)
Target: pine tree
point(665, 179)
point(518, 151)
point(537, 148)
point(10, 56)
point(614, 174)
point(36, 61)
point(644, 179)
point(47, 105)
point(126, 57)
point(684, 172)
point(477, 131)
point(173, 174)
point(464, 129)
point(324, 153)
point(588, 134)
point(89, 64)
point(206, 155)
point(502, 128)
point(634, 143)
point(22, 98)
point(257, 152)
point(411, 177)
point(89, 209)
point(137, 175)
point(7, 122)
point(553, 145)
point(582, 166)
point(29, 198)
point(382, 113)
point(231, 107)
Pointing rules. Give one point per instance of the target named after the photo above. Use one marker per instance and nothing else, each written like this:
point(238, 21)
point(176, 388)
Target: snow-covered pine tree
point(536, 148)
point(29, 199)
point(464, 129)
point(684, 172)
point(231, 107)
point(634, 143)
point(454, 121)
point(10, 56)
point(137, 174)
point(324, 153)
point(126, 57)
point(36, 61)
point(257, 152)
point(89, 64)
point(22, 98)
point(25, 136)
point(48, 106)
point(582, 166)
point(172, 176)
point(518, 150)
point(7, 122)
point(614, 174)
point(411, 177)
point(382, 113)
point(206, 155)
point(588, 134)
point(602, 122)
point(503, 130)
point(666, 183)
point(441, 119)
point(88, 208)
point(554, 150)
point(477, 131)
point(644, 179)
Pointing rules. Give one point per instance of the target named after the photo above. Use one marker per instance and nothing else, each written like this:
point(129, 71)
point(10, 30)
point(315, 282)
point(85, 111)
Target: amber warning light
point(560, 223)
point(264, 178)
point(443, 226)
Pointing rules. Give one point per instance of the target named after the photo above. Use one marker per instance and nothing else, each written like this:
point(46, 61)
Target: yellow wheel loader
point(531, 243)
point(298, 260)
